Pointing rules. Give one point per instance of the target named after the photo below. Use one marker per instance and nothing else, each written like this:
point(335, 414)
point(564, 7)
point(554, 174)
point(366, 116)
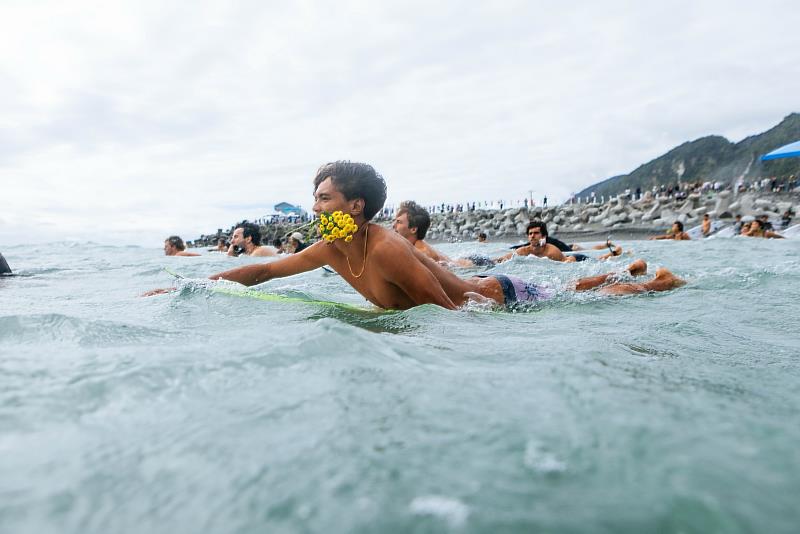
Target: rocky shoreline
point(622, 216)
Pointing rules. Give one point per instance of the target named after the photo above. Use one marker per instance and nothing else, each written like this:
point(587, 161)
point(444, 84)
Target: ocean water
point(201, 412)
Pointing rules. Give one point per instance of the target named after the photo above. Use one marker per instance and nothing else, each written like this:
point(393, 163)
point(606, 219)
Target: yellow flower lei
point(337, 225)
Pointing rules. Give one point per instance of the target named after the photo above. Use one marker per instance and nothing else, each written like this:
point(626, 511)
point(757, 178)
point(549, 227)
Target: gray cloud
point(182, 113)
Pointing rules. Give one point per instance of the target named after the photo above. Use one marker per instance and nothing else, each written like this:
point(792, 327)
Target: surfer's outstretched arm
point(311, 258)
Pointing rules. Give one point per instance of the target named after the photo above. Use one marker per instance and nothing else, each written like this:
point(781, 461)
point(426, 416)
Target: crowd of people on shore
point(682, 190)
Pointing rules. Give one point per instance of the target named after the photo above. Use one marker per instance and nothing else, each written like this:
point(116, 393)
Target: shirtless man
point(538, 245)
point(706, 228)
point(756, 229)
point(173, 246)
point(676, 233)
point(390, 272)
point(412, 222)
point(247, 238)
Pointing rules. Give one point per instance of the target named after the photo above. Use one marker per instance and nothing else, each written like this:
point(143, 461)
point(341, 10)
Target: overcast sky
point(125, 122)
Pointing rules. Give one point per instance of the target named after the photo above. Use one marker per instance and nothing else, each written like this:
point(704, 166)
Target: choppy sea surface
point(203, 412)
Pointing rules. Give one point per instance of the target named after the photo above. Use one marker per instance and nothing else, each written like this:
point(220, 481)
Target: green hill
point(711, 158)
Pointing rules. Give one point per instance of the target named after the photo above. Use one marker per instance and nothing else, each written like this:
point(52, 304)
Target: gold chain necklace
point(364, 263)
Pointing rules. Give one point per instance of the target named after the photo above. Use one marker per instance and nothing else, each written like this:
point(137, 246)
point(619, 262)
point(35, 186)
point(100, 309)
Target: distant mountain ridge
point(712, 158)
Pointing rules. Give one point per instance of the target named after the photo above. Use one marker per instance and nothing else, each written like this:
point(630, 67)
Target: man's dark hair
point(482, 235)
point(537, 224)
point(758, 222)
point(355, 180)
point(417, 217)
point(176, 242)
point(252, 231)
point(680, 225)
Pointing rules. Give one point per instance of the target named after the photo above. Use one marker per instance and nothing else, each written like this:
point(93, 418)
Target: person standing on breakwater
point(387, 270)
point(174, 246)
point(675, 233)
point(247, 240)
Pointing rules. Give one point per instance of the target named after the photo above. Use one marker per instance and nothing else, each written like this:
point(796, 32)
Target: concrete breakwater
point(649, 214)
point(621, 214)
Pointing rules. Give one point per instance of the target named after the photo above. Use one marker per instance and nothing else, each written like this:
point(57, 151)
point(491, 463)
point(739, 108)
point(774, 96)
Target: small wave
point(451, 510)
point(34, 329)
point(539, 459)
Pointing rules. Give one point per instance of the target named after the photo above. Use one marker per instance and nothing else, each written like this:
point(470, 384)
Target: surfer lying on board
point(412, 222)
point(246, 239)
point(756, 229)
point(538, 245)
point(676, 233)
point(174, 246)
point(387, 270)
point(541, 245)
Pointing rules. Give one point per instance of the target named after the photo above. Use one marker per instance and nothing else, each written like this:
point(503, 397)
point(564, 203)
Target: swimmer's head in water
point(173, 244)
point(416, 220)
point(537, 233)
point(355, 182)
point(245, 231)
point(677, 226)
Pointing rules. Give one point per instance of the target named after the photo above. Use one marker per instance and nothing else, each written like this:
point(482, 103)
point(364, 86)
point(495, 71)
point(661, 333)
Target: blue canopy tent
point(792, 150)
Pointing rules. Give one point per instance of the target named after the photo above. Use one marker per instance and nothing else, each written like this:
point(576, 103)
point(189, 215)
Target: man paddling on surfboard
point(174, 246)
point(675, 233)
point(386, 269)
point(246, 239)
point(412, 222)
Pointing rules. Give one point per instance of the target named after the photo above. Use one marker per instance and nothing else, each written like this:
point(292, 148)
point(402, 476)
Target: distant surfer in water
point(246, 239)
point(676, 233)
point(174, 246)
point(757, 229)
point(538, 245)
point(412, 222)
point(388, 271)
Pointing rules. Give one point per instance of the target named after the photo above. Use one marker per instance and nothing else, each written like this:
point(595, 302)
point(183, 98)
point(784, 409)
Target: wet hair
point(277, 243)
point(176, 242)
point(252, 231)
point(759, 222)
point(541, 225)
point(482, 235)
point(417, 217)
point(680, 225)
point(355, 180)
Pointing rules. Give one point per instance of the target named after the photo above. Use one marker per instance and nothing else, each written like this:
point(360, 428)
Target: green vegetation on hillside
point(711, 158)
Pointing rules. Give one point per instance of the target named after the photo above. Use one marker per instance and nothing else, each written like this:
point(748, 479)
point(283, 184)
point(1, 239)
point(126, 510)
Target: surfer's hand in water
point(158, 291)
